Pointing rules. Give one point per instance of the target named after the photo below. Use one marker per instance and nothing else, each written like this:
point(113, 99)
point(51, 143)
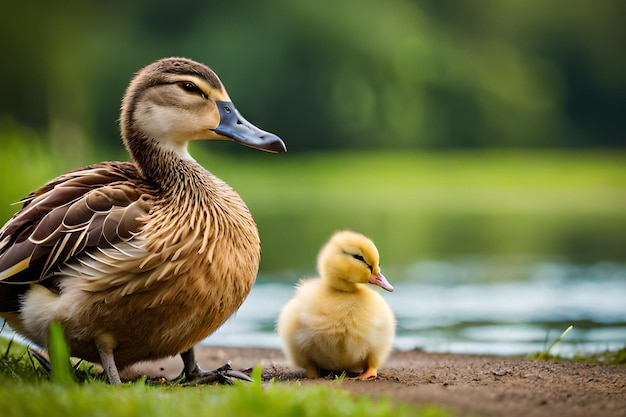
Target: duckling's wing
point(94, 207)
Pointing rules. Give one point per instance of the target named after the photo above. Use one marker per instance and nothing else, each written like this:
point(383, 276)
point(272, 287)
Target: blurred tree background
point(473, 140)
point(327, 75)
point(542, 80)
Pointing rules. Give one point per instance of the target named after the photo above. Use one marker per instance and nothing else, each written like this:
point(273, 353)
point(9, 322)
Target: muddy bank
point(467, 384)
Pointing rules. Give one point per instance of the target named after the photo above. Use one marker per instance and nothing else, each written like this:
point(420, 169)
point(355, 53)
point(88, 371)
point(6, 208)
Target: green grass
point(242, 400)
point(26, 390)
point(545, 354)
point(617, 357)
point(17, 364)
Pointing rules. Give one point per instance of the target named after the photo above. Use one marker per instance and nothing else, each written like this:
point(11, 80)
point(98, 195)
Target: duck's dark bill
point(234, 126)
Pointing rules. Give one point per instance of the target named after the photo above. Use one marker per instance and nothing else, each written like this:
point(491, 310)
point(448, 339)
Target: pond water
point(454, 307)
point(451, 307)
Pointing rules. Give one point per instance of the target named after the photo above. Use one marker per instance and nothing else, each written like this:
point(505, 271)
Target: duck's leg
point(108, 363)
point(196, 375)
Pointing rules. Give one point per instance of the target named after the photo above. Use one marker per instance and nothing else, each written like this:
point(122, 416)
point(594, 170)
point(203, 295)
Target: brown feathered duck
point(139, 260)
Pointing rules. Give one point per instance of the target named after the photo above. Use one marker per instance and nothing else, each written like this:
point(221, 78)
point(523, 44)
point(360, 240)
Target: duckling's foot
point(312, 371)
point(194, 375)
point(369, 373)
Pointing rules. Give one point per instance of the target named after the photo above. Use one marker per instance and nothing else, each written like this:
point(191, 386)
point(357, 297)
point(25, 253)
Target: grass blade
point(558, 339)
point(59, 356)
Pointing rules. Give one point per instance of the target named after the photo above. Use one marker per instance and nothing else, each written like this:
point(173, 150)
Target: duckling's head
point(348, 259)
point(175, 100)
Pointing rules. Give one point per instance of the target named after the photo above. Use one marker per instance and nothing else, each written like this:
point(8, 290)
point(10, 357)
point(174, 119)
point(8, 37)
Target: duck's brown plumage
point(138, 260)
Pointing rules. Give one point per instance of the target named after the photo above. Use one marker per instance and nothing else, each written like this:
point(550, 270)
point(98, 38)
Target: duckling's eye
point(358, 257)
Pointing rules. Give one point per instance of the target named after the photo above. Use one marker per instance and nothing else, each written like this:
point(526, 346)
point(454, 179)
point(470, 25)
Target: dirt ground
point(464, 384)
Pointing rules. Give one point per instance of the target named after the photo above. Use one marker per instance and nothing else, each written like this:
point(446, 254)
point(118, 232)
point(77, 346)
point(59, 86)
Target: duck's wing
point(98, 206)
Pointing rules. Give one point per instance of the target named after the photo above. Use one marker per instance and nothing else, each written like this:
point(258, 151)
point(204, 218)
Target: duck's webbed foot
point(41, 359)
point(195, 375)
point(224, 375)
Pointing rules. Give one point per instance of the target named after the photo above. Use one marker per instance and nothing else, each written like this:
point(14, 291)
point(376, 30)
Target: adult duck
point(139, 260)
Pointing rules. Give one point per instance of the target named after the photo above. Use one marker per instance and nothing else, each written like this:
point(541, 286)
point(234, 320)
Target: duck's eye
point(192, 88)
point(227, 109)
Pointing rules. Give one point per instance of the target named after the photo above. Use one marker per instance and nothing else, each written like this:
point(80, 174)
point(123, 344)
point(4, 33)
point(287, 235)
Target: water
point(446, 307)
point(458, 306)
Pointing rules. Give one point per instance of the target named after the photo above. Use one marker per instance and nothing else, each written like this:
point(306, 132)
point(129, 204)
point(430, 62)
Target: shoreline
point(482, 385)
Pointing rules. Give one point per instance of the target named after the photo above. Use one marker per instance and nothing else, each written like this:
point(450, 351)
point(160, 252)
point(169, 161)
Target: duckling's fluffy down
point(326, 329)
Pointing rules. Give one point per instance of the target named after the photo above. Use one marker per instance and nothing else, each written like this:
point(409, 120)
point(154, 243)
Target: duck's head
point(173, 101)
point(350, 258)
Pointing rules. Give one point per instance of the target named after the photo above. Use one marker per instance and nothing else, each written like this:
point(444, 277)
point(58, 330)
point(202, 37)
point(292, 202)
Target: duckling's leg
point(370, 373)
point(196, 375)
point(312, 371)
point(370, 368)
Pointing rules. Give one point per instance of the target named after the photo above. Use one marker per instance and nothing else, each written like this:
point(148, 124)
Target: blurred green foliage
point(508, 205)
point(352, 74)
point(393, 79)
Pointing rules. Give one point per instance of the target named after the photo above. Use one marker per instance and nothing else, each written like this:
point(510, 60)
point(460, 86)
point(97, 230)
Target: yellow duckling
point(334, 322)
point(139, 260)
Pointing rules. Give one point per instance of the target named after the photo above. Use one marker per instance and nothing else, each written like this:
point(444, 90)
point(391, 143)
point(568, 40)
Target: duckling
point(334, 322)
point(139, 260)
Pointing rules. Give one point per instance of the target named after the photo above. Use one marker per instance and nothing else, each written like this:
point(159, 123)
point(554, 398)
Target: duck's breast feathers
point(97, 206)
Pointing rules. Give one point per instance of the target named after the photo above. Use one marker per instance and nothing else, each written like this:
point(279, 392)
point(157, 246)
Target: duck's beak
point(380, 280)
point(234, 126)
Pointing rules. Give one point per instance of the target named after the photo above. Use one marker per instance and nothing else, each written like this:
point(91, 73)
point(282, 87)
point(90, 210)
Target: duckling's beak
point(380, 280)
point(234, 126)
